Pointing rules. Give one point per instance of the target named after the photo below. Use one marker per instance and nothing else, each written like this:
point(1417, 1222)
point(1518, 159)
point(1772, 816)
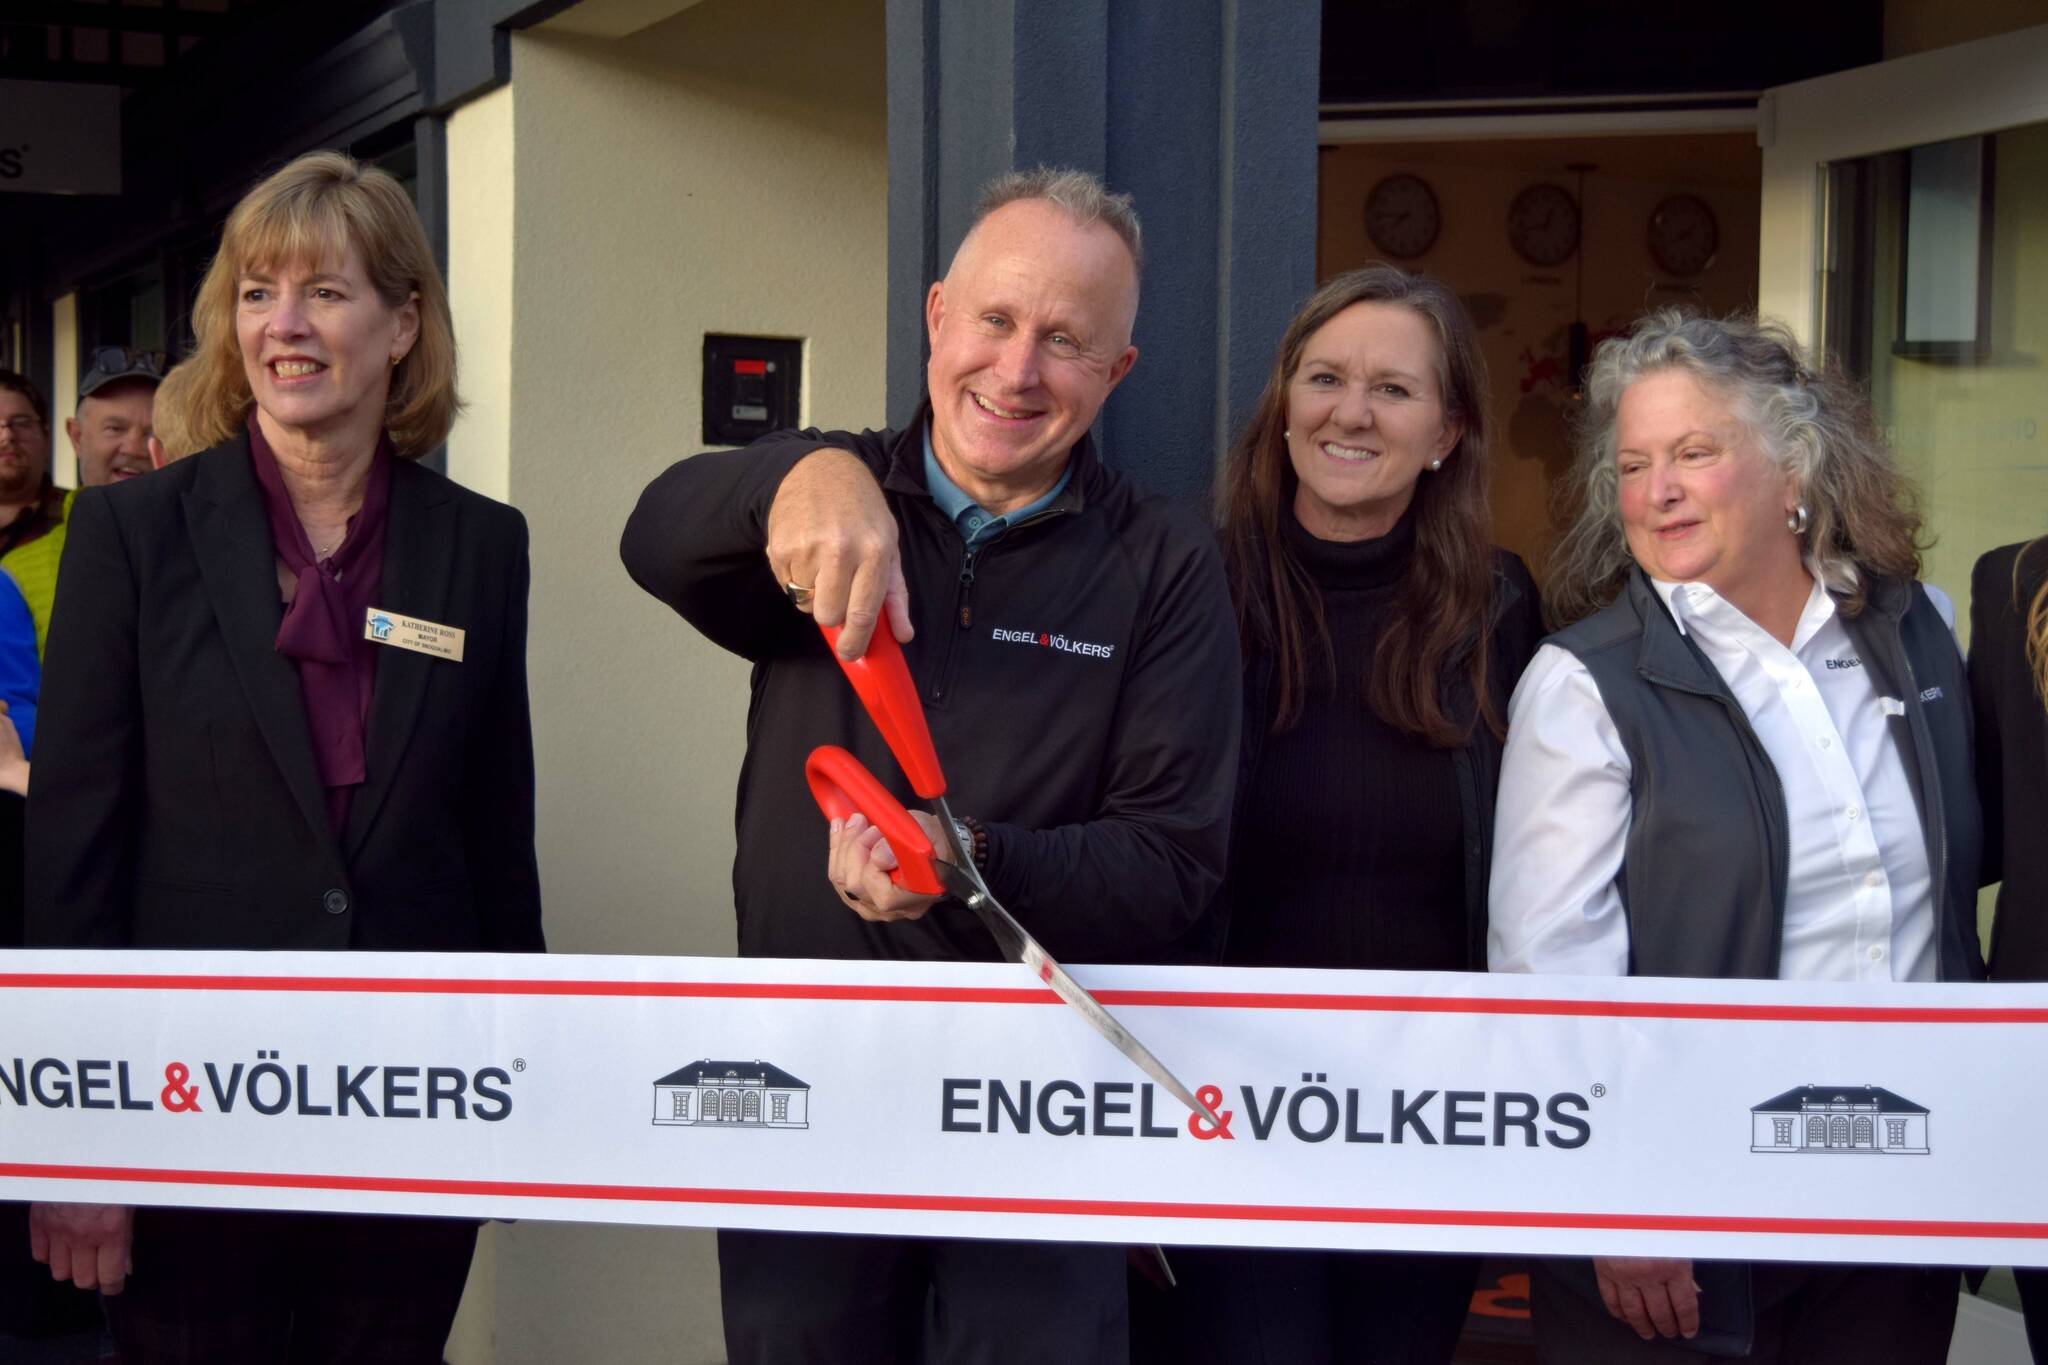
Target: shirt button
point(1826, 743)
point(1876, 953)
point(335, 902)
point(974, 523)
point(1854, 812)
point(1873, 879)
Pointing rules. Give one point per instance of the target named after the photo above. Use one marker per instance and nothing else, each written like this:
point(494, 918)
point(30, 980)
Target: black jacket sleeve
point(1518, 631)
point(697, 537)
point(1993, 623)
point(85, 795)
point(498, 782)
point(1130, 883)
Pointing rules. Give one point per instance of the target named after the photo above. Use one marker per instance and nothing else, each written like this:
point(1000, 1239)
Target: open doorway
point(1536, 233)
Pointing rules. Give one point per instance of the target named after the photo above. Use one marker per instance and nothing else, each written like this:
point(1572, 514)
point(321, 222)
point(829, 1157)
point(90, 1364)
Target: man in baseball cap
point(111, 433)
point(112, 429)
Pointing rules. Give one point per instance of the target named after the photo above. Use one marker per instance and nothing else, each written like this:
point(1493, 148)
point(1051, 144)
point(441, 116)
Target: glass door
point(1905, 232)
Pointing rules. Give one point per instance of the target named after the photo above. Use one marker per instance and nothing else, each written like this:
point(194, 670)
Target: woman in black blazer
point(2008, 681)
point(228, 759)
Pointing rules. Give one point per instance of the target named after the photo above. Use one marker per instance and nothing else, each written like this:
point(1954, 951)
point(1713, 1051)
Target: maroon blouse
point(322, 631)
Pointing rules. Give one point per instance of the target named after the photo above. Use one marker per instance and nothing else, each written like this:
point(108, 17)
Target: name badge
point(407, 632)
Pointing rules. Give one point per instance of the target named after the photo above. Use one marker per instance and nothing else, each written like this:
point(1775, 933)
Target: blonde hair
point(1863, 512)
point(170, 415)
point(323, 204)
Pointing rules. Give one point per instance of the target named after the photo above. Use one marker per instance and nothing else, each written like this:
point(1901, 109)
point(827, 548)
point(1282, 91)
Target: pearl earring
point(1436, 463)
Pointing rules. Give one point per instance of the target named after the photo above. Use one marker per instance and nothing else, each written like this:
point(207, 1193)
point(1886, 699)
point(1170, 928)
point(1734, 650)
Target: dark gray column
point(1205, 110)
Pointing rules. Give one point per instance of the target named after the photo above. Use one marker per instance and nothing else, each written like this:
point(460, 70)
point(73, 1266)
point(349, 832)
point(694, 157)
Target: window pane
point(1970, 426)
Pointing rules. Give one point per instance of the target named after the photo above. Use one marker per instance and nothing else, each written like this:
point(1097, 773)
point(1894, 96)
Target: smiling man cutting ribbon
point(1072, 642)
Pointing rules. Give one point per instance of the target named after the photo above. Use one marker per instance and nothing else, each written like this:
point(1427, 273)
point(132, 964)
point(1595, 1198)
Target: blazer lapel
point(419, 558)
point(231, 537)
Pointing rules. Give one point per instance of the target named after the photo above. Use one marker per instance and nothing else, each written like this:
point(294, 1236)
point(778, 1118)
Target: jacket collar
point(1668, 655)
point(230, 534)
point(905, 472)
point(1665, 655)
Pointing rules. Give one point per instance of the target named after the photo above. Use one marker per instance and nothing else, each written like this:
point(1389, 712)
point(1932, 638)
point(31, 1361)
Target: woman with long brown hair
point(1382, 636)
point(2009, 689)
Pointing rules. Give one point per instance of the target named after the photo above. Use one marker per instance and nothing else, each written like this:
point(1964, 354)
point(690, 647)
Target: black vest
point(1703, 872)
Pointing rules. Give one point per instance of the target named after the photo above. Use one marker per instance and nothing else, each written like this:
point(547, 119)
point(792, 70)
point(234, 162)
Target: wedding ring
point(799, 595)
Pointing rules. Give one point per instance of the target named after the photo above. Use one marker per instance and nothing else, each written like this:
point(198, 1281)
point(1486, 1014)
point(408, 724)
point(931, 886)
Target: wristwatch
point(973, 838)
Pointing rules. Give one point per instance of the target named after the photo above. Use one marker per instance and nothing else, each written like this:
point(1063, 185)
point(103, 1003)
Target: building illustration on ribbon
point(752, 1094)
point(1842, 1118)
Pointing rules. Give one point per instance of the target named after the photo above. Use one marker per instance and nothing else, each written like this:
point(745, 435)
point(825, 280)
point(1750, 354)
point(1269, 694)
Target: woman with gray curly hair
point(1748, 755)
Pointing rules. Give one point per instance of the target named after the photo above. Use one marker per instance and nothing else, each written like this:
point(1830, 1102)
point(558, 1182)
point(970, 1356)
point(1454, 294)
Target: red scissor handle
point(882, 679)
point(842, 787)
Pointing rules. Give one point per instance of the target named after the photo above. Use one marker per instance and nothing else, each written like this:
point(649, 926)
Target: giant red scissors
point(843, 786)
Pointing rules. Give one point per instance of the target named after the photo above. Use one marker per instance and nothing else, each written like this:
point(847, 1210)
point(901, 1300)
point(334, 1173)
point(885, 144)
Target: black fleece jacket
point(1080, 676)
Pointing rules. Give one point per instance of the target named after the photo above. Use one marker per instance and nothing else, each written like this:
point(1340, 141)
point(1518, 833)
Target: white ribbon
point(1765, 1119)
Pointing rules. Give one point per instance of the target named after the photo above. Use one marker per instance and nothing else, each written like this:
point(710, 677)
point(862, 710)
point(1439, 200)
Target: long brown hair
point(322, 203)
point(1443, 604)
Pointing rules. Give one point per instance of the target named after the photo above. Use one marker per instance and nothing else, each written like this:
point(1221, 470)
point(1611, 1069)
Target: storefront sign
point(57, 137)
point(1360, 1109)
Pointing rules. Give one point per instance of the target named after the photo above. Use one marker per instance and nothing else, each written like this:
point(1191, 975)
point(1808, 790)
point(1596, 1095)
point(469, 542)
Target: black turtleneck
point(1349, 851)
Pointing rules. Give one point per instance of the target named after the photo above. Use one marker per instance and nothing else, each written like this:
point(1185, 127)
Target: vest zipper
point(963, 611)
point(967, 588)
point(963, 614)
point(966, 594)
point(1929, 765)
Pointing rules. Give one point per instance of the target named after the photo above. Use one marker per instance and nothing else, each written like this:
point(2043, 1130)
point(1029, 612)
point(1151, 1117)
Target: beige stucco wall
point(723, 170)
point(64, 383)
point(481, 278)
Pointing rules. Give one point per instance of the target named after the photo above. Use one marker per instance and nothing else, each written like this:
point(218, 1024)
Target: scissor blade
point(1018, 945)
point(1120, 1037)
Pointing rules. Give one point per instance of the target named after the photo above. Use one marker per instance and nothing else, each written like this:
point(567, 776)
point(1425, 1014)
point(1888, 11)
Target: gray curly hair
point(1864, 513)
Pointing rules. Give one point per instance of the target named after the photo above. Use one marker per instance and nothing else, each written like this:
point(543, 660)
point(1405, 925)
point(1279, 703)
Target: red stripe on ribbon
point(1009, 995)
point(1085, 1208)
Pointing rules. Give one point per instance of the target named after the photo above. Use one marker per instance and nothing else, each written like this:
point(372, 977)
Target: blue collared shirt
point(977, 528)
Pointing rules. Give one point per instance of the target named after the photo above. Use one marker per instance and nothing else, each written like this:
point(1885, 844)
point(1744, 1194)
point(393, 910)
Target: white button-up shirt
point(1859, 895)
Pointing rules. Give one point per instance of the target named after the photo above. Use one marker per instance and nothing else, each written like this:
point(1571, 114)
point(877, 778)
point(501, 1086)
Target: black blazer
point(175, 803)
point(2012, 757)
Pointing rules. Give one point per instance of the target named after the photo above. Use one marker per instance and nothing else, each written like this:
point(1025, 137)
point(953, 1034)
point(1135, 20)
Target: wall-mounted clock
point(1402, 216)
point(1684, 235)
point(1543, 224)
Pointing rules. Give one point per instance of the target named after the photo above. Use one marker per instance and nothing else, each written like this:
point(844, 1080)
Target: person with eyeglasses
point(35, 1314)
point(28, 502)
point(30, 507)
point(110, 434)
